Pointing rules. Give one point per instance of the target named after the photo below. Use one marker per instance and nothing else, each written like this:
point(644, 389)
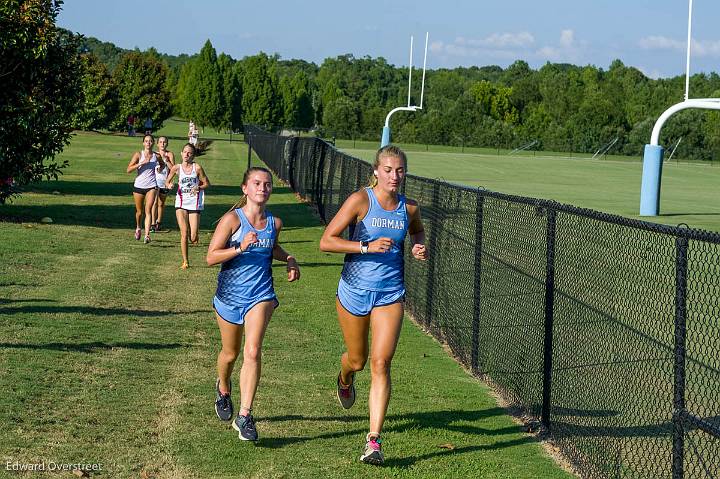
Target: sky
point(649, 35)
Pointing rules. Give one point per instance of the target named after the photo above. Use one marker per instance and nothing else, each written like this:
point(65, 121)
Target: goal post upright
point(385, 140)
point(653, 153)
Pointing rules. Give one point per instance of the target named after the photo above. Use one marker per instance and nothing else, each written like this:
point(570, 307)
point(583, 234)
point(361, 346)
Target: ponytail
point(239, 204)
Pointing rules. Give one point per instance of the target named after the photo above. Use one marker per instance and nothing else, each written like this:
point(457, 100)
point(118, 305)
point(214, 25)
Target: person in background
point(148, 125)
point(131, 125)
point(144, 163)
point(167, 161)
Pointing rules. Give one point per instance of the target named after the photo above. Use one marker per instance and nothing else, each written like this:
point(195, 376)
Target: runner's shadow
point(407, 462)
point(449, 420)
point(8, 301)
point(92, 347)
point(89, 310)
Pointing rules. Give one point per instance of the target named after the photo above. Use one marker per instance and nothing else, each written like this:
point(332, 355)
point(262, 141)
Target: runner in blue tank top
point(245, 242)
point(372, 288)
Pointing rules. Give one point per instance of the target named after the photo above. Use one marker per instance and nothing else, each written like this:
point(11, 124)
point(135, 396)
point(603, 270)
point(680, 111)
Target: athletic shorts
point(189, 211)
point(164, 191)
point(236, 314)
point(143, 191)
point(360, 302)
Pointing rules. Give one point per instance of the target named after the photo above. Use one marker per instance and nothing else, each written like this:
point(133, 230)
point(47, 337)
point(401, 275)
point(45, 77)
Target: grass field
point(690, 191)
point(108, 349)
point(689, 195)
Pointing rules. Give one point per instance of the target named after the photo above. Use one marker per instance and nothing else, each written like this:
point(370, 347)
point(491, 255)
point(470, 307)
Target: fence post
point(318, 182)
point(549, 311)
point(681, 263)
point(249, 144)
point(358, 179)
point(432, 248)
point(477, 298)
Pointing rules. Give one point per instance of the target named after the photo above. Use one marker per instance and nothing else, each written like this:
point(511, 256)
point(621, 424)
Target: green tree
point(203, 92)
point(179, 98)
point(340, 118)
point(232, 95)
point(261, 102)
point(41, 77)
point(141, 81)
point(100, 105)
point(297, 104)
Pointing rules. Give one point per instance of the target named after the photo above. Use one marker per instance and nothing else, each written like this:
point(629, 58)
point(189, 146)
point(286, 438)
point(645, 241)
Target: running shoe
point(245, 426)
point(147, 239)
point(184, 265)
point(152, 228)
point(373, 451)
point(223, 403)
point(346, 395)
point(137, 234)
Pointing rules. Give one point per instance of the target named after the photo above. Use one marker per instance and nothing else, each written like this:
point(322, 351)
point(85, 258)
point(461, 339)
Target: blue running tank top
point(378, 271)
point(248, 275)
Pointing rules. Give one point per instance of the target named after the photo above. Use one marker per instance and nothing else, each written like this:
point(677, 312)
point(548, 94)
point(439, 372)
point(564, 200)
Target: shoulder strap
point(372, 201)
point(241, 216)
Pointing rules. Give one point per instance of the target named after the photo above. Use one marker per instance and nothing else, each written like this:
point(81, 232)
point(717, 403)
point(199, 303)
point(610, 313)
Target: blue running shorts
point(236, 314)
point(360, 302)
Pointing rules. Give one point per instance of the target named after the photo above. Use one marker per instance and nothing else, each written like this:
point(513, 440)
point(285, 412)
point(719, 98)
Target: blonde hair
point(388, 150)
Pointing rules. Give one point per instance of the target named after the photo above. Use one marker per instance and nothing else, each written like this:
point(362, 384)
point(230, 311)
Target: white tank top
point(146, 173)
point(161, 176)
point(184, 198)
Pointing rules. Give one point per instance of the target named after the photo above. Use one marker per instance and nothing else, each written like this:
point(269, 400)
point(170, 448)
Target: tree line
point(559, 107)
point(56, 80)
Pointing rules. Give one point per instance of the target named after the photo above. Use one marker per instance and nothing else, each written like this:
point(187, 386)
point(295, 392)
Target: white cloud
point(568, 49)
point(499, 40)
point(567, 38)
point(661, 43)
point(549, 53)
point(705, 48)
point(511, 46)
point(497, 45)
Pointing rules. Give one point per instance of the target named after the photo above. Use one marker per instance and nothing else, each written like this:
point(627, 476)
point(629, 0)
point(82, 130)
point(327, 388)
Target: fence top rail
point(676, 231)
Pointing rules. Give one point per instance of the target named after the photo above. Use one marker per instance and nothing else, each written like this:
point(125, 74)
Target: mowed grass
point(689, 191)
point(108, 349)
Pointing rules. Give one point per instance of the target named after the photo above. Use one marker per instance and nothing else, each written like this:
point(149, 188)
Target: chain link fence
point(604, 329)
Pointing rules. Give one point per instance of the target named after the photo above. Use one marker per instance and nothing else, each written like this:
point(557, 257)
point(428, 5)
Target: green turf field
point(690, 192)
point(108, 349)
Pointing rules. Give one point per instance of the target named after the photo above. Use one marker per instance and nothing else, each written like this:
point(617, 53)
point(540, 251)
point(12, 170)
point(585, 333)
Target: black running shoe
point(245, 426)
point(346, 395)
point(223, 403)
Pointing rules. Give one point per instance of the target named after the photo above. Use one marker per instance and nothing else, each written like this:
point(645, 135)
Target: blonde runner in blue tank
point(245, 242)
point(371, 289)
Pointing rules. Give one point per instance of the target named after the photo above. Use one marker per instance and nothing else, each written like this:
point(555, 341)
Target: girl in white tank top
point(190, 198)
point(146, 171)
point(143, 163)
point(166, 160)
